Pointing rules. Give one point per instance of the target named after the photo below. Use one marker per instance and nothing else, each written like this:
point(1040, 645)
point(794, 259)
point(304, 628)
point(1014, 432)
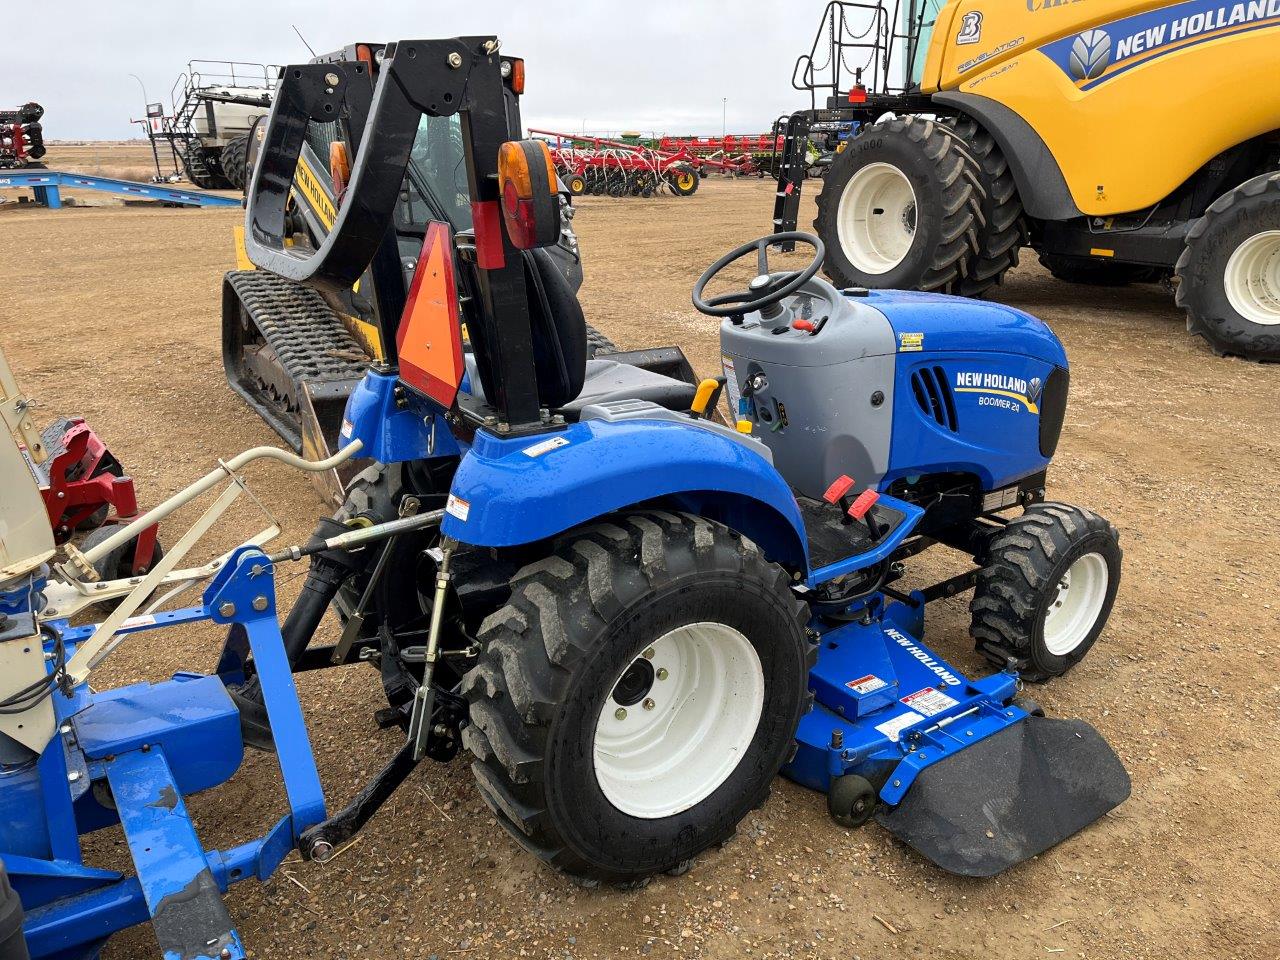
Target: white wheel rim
point(672, 748)
point(1252, 279)
point(1074, 610)
point(876, 220)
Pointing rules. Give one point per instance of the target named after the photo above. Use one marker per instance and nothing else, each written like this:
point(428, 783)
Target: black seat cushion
point(608, 380)
point(559, 331)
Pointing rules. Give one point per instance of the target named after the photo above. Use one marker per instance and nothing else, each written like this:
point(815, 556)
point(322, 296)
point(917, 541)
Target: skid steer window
point(436, 183)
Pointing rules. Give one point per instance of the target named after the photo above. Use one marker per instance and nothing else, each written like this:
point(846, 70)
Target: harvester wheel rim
point(1071, 614)
point(876, 221)
point(1252, 278)
point(679, 720)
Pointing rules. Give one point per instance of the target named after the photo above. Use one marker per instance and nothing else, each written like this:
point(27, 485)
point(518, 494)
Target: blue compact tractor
point(632, 610)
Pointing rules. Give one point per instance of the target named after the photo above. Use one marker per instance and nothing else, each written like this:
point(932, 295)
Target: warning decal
point(868, 684)
point(891, 728)
point(929, 701)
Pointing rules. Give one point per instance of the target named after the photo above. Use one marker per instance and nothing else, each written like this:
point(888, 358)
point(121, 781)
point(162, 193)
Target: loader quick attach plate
point(1009, 797)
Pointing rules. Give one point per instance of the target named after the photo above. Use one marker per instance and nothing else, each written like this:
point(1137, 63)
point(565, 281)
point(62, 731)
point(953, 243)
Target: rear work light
point(858, 94)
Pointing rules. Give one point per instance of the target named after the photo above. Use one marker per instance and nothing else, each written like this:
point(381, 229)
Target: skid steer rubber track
point(285, 350)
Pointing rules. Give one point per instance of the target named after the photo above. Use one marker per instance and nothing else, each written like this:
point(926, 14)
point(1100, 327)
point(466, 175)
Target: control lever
point(707, 398)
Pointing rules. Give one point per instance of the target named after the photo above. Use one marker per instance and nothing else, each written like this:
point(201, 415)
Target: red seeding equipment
point(617, 168)
point(21, 137)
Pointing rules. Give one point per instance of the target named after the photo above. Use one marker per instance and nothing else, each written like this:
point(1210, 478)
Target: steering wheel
point(767, 288)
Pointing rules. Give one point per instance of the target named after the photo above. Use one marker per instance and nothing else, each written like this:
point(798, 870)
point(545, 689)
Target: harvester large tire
point(900, 207)
point(233, 158)
point(201, 167)
point(590, 744)
point(1002, 230)
point(1229, 272)
point(1045, 590)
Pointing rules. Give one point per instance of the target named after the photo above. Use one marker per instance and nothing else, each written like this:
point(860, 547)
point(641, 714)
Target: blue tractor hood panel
point(933, 323)
point(508, 492)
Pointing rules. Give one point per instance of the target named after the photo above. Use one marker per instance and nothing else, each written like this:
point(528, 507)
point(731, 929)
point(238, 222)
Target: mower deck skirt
point(1010, 797)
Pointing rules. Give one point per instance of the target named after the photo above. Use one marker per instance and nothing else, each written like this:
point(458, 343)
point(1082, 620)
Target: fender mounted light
point(530, 201)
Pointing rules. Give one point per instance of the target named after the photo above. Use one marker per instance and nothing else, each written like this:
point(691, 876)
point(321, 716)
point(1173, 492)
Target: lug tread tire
point(1209, 312)
point(598, 344)
point(1023, 564)
point(1003, 231)
point(560, 612)
point(233, 160)
point(956, 181)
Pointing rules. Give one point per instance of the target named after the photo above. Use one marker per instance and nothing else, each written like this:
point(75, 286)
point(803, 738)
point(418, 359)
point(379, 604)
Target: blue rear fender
point(509, 492)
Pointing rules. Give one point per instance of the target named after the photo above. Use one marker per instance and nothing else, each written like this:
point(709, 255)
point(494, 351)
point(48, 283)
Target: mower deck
point(966, 777)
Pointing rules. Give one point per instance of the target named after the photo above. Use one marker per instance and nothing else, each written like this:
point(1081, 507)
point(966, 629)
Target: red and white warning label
point(868, 684)
point(929, 701)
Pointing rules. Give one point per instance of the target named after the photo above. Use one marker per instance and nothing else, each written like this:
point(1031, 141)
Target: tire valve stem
point(424, 699)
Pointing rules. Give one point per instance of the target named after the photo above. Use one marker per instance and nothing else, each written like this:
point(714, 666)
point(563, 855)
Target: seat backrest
point(559, 331)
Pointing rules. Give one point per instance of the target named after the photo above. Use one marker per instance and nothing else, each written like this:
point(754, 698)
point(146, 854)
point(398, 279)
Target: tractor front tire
point(1229, 272)
point(900, 207)
point(1002, 230)
point(13, 945)
point(1045, 590)
point(637, 695)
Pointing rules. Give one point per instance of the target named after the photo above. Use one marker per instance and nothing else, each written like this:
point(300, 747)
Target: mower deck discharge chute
point(632, 614)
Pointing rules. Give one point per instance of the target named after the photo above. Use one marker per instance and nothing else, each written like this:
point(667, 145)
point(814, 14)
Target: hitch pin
point(424, 699)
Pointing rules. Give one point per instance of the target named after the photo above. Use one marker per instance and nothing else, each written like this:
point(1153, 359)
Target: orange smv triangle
point(429, 339)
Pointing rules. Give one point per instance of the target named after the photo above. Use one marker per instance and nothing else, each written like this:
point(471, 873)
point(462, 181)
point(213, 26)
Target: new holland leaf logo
point(1090, 55)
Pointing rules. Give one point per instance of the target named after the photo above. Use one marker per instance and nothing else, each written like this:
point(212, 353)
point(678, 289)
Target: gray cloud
point(654, 65)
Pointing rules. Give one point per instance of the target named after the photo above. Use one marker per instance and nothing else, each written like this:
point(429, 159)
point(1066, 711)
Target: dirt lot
point(112, 313)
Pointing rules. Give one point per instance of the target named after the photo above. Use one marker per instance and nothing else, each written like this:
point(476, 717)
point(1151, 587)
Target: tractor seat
point(608, 380)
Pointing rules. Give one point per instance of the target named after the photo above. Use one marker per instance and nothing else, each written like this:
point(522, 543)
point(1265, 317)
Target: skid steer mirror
point(530, 201)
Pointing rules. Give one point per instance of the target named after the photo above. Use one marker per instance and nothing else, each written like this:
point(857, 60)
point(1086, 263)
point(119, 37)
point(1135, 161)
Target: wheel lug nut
point(620, 713)
point(649, 704)
point(662, 673)
point(648, 654)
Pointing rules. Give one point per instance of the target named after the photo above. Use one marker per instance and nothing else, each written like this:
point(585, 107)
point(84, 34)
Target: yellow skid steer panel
point(1130, 98)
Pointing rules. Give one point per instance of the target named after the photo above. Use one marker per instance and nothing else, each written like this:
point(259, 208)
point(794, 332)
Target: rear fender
point(509, 492)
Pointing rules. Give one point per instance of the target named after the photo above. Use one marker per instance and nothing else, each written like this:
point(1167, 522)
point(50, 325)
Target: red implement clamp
point(866, 500)
point(838, 489)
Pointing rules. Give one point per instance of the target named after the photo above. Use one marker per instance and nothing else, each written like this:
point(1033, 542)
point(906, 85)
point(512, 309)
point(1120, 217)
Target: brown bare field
point(113, 313)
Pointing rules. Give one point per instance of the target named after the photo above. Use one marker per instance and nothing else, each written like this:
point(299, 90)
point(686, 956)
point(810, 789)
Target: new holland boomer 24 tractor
point(1124, 140)
point(631, 615)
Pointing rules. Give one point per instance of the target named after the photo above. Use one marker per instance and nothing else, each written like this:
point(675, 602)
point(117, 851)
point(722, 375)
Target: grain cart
point(1063, 126)
point(632, 616)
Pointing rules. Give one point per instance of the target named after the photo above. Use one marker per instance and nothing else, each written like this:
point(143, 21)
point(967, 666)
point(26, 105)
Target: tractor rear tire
point(1046, 589)
point(1002, 230)
point(233, 159)
point(1093, 272)
point(1229, 272)
point(637, 695)
point(900, 207)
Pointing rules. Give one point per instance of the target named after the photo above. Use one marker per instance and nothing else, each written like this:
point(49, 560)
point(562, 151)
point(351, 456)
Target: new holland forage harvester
point(631, 615)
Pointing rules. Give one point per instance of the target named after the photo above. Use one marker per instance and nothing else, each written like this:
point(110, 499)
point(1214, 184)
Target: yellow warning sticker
point(910, 342)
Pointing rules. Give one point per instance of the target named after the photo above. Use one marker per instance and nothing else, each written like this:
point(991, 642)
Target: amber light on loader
point(530, 203)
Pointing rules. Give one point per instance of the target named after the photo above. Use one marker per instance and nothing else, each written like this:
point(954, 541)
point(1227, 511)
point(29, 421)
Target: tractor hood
point(933, 323)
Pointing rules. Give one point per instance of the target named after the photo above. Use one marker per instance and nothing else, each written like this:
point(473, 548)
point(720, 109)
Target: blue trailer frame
point(47, 184)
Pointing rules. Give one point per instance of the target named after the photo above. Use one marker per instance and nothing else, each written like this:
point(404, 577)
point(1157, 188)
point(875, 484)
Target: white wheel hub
point(1075, 608)
point(679, 720)
point(876, 219)
point(1252, 278)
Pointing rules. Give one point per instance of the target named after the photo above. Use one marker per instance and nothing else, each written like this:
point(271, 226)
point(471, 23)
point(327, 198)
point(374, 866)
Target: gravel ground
point(112, 313)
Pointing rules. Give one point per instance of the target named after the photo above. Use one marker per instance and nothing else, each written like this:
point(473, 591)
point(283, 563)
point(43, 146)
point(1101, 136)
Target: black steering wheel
point(766, 289)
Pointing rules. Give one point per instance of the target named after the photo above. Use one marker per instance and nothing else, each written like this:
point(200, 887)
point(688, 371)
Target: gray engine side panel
point(825, 384)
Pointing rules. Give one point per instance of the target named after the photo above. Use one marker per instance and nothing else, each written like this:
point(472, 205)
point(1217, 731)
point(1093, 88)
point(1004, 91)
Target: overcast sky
point(653, 65)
